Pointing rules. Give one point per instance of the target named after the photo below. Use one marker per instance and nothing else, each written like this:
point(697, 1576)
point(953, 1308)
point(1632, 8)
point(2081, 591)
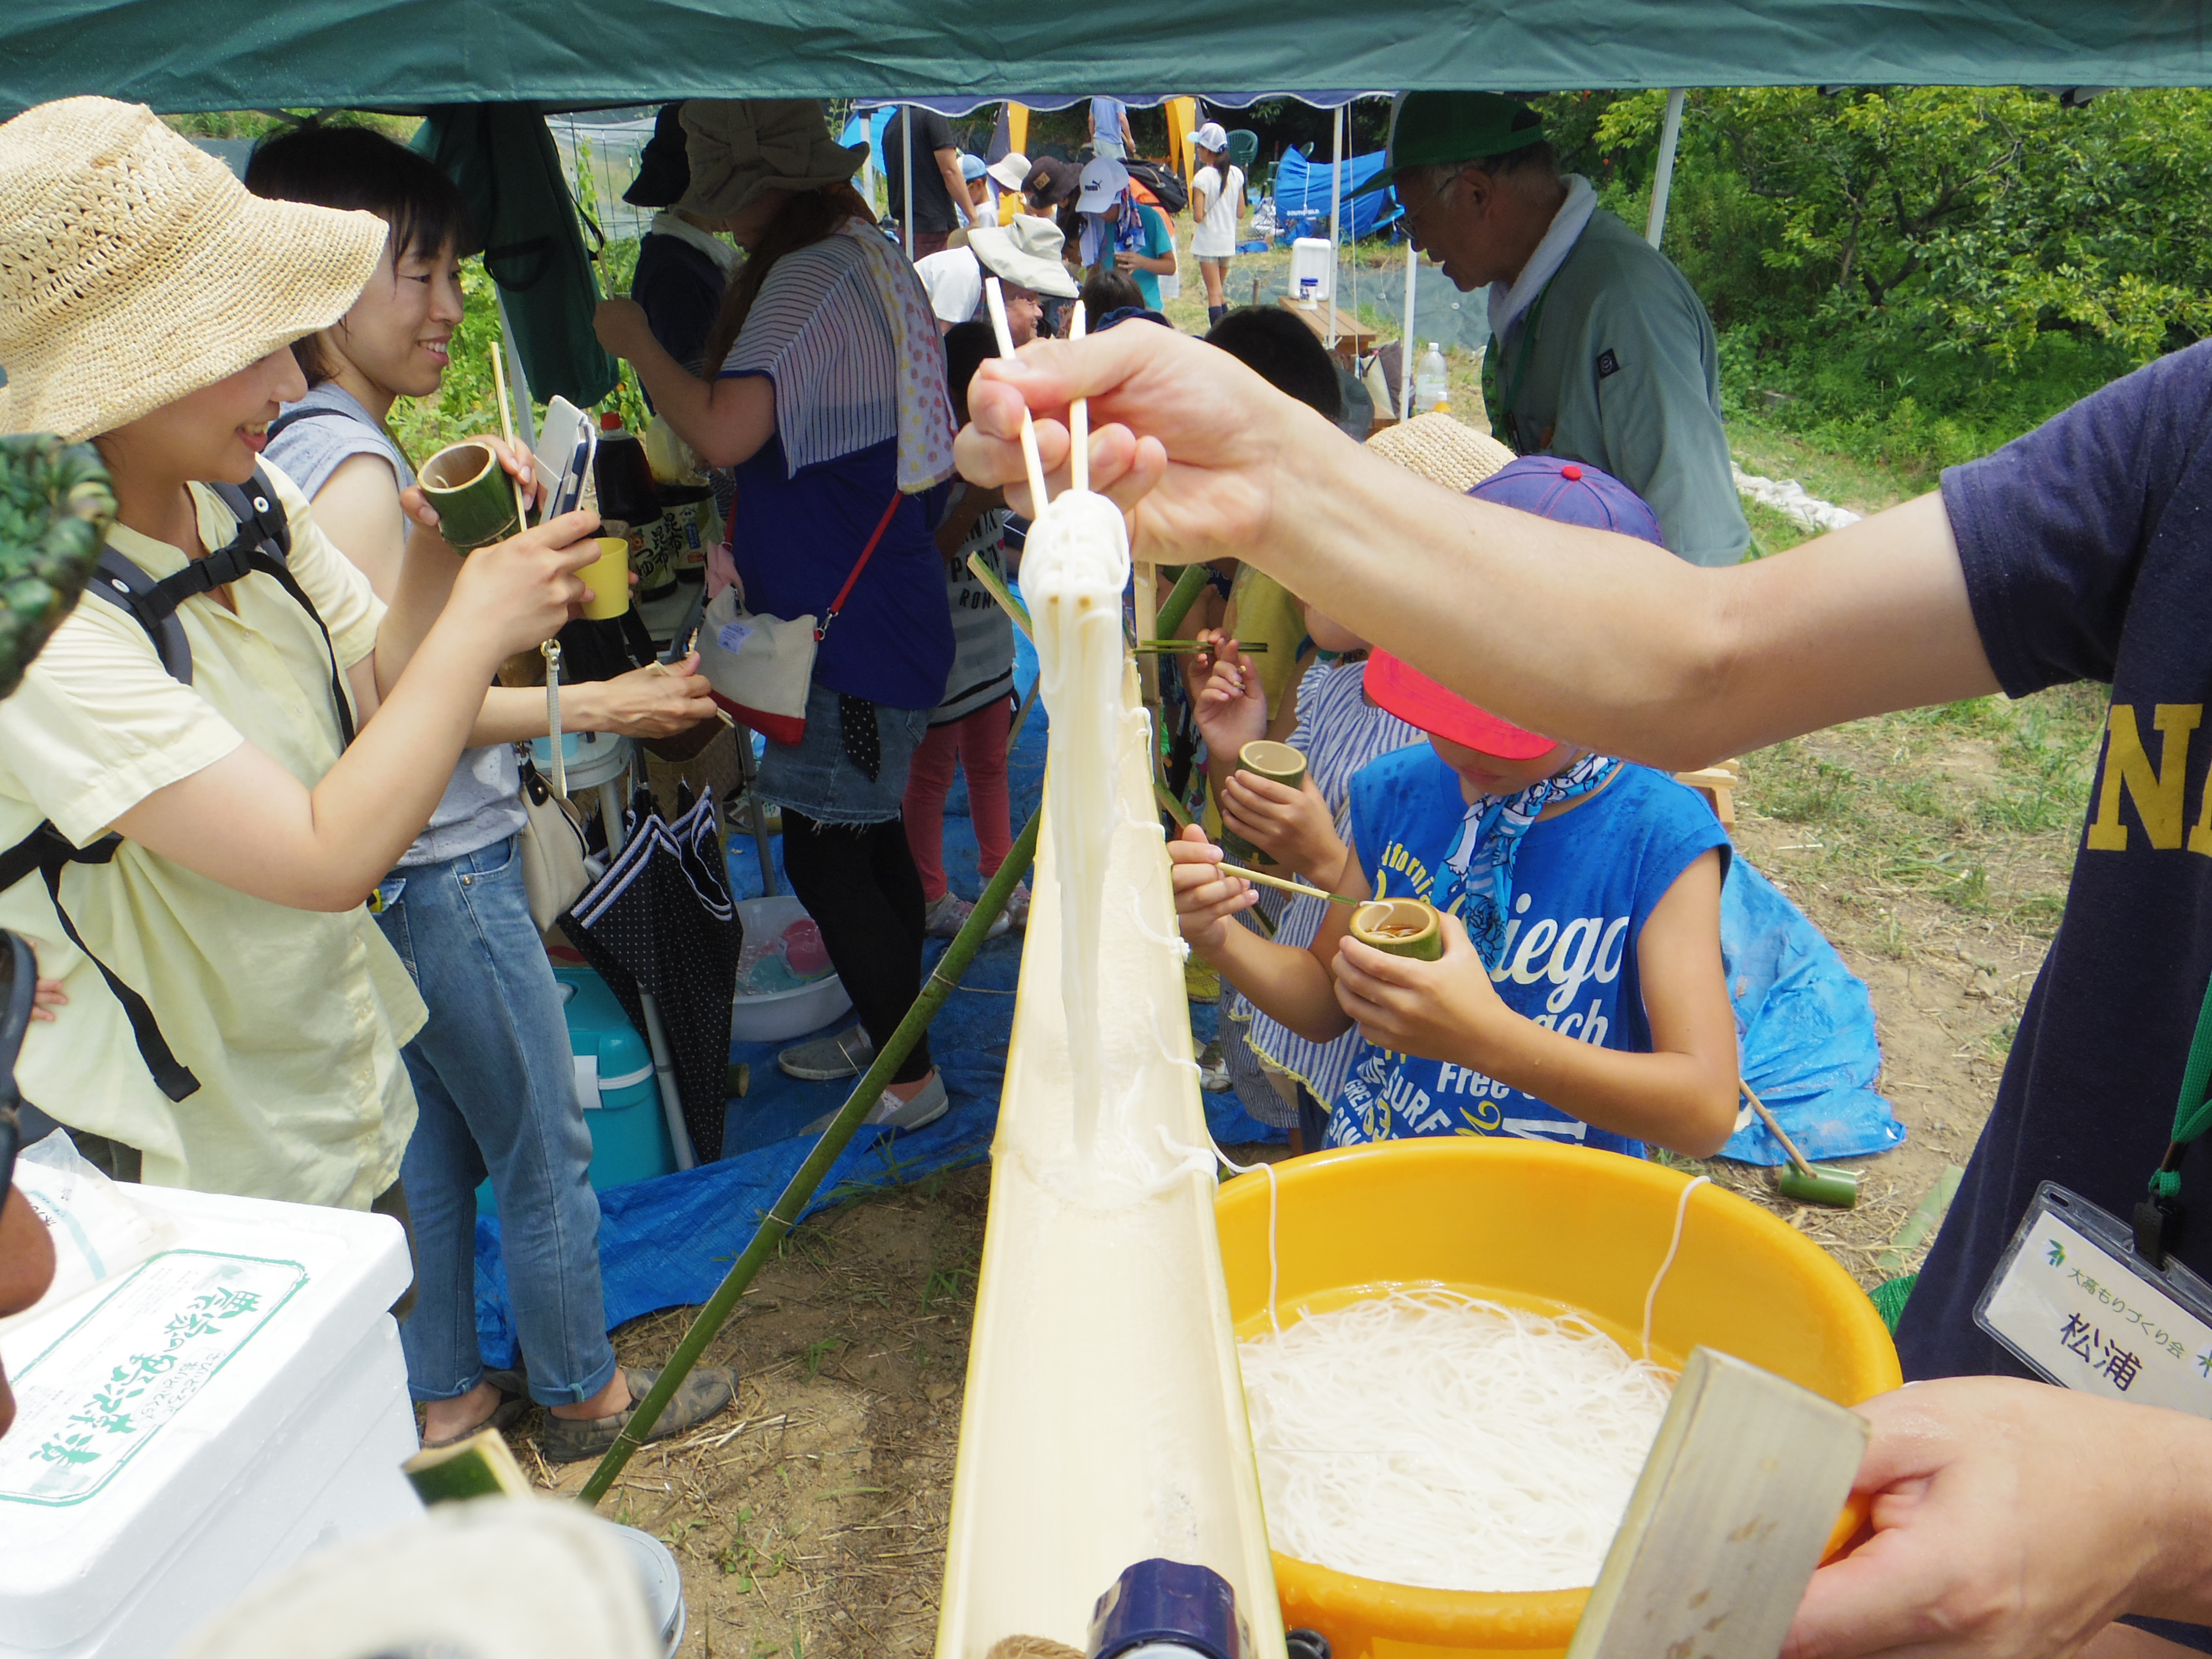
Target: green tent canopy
point(179, 55)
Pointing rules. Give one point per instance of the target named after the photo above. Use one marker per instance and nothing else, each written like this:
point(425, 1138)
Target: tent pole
point(783, 1214)
point(1663, 176)
point(525, 422)
point(1406, 339)
point(906, 138)
point(1335, 208)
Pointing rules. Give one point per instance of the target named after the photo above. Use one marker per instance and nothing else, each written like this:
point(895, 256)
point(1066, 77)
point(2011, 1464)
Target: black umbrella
point(661, 922)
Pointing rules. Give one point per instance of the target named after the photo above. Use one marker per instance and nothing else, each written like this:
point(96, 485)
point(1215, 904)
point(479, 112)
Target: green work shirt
point(1623, 374)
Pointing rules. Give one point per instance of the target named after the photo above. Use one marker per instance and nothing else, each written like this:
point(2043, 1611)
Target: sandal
point(513, 1401)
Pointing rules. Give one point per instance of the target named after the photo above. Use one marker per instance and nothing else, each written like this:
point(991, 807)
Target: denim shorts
point(816, 777)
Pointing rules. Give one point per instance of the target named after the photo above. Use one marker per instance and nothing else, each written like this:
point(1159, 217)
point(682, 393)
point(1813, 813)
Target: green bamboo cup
point(1402, 926)
point(472, 494)
point(1278, 761)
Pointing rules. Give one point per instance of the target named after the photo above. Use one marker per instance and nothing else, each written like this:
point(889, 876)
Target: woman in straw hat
point(829, 403)
point(147, 302)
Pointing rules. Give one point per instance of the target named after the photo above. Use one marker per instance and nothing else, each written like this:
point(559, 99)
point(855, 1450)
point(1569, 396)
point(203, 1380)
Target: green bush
point(1916, 275)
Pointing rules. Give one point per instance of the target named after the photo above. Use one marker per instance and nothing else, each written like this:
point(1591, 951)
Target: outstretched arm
point(726, 420)
point(1590, 637)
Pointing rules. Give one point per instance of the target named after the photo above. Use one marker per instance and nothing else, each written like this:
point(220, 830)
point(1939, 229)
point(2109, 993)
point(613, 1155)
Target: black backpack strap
point(263, 543)
point(319, 412)
point(49, 851)
point(130, 590)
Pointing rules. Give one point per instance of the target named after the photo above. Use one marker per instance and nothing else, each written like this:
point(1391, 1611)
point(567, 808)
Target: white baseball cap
point(1105, 179)
point(1211, 136)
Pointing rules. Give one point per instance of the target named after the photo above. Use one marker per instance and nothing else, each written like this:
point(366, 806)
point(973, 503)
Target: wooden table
point(1353, 338)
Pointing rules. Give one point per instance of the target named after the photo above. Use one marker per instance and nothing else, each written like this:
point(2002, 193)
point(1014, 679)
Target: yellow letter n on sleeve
point(2157, 793)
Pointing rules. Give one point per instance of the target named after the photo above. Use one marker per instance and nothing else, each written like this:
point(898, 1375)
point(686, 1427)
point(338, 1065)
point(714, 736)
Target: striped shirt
point(983, 632)
point(817, 331)
point(1338, 731)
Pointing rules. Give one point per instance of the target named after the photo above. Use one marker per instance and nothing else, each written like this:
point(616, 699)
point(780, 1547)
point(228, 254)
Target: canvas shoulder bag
point(759, 668)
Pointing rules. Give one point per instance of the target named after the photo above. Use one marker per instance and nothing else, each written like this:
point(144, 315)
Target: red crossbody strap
point(822, 628)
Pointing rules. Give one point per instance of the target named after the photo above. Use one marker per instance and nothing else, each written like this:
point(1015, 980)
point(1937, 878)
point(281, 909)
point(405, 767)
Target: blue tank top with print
point(1583, 885)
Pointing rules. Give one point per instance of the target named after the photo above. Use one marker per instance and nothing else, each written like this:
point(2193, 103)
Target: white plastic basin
point(782, 1014)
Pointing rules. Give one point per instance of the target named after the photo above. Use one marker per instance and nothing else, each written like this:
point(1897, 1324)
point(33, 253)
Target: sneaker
point(827, 1058)
point(1213, 1069)
point(949, 915)
point(706, 1391)
point(1017, 906)
point(1199, 982)
point(929, 1104)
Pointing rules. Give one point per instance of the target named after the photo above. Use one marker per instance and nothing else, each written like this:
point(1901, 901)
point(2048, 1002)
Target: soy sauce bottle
point(627, 499)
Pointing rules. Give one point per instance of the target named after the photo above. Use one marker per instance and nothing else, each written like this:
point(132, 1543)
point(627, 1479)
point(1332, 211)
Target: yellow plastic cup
point(608, 577)
point(1551, 1229)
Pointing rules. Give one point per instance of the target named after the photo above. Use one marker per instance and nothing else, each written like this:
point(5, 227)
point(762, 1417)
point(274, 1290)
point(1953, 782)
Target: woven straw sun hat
point(134, 267)
point(1442, 449)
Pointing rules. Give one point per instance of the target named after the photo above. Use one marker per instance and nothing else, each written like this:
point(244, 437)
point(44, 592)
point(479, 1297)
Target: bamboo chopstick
point(1180, 647)
point(1287, 885)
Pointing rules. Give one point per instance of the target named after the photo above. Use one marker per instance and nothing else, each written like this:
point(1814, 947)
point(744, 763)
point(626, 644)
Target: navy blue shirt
point(1584, 883)
point(795, 539)
point(2087, 557)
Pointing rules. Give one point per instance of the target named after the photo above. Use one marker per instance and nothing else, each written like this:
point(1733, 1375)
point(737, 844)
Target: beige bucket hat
point(134, 267)
point(738, 147)
point(1025, 252)
point(1443, 449)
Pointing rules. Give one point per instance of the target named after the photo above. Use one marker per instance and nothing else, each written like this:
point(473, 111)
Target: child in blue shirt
point(1580, 997)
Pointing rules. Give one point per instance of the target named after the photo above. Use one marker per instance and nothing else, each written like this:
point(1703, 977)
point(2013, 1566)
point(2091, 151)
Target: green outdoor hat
point(1432, 127)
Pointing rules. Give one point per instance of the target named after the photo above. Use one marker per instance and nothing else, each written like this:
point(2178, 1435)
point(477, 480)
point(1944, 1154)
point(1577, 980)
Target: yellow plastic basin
point(1550, 1228)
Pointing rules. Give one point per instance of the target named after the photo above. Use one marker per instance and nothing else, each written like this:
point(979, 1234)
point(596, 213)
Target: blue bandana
point(1481, 861)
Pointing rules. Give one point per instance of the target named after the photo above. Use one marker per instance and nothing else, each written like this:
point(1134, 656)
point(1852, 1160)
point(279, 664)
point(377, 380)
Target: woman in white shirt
point(1217, 197)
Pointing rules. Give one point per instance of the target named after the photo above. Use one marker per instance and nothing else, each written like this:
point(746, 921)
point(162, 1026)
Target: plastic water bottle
point(1431, 387)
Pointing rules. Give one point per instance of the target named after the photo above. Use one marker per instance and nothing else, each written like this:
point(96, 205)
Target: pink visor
point(1416, 699)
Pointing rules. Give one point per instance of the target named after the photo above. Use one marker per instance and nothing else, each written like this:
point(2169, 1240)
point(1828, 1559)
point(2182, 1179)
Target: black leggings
point(858, 883)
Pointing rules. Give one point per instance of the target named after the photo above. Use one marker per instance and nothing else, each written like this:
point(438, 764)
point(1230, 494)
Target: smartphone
point(567, 443)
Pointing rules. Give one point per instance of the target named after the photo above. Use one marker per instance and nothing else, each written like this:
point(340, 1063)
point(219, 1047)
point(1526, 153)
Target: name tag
point(733, 635)
point(2073, 1303)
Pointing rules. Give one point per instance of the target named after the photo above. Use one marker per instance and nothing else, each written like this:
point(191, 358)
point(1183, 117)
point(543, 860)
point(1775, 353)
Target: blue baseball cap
point(1570, 492)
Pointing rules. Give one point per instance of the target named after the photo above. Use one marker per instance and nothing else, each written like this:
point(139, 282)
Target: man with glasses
point(1599, 350)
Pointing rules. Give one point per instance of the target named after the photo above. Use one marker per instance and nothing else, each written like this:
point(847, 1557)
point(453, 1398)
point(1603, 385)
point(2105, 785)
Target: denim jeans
point(495, 1089)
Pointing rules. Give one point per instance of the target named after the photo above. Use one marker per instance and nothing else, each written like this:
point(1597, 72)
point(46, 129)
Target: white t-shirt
point(1215, 236)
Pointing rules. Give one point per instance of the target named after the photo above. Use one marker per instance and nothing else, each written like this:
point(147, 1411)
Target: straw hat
point(134, 267)
point(1025, 252)
point(738, 147)
point(1441, 449)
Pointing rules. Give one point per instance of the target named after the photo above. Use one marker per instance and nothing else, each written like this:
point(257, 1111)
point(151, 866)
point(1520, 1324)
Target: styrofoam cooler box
point(198, 1423)
point(615, 1086)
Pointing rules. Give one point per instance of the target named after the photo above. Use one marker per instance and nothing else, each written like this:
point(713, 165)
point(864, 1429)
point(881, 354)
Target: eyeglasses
point(20, 986)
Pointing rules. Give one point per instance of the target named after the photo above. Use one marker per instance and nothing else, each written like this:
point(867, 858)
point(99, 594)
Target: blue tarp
point(1301, 193)
point(1805, 1021)
point(1804, 1026)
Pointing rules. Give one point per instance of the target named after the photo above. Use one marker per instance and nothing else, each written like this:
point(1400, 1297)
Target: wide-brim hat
point(134, 268)
point(1025, 252)
point(1431, 129)
point(1010, 171)
point(1419, 701)
point(738, 147)
point(1443, 449)
point(1105, 179)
